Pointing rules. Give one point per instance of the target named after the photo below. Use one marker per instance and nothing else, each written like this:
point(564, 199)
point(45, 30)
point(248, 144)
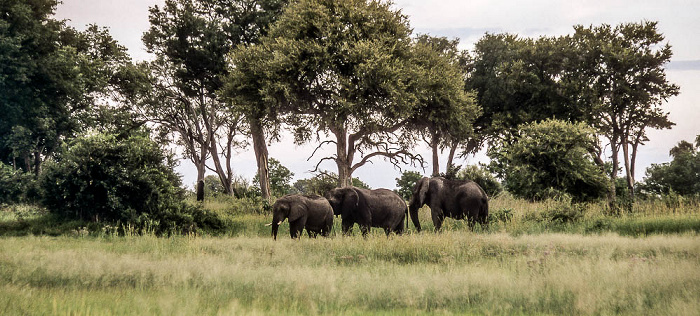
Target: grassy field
point(529, 262)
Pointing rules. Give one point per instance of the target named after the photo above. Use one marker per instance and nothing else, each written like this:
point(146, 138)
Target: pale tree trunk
point(451, 155)
point(261, 157)
point(628, 170)
point(200, 178)
point(343, 159)
point(614, 147)
point(436, 151)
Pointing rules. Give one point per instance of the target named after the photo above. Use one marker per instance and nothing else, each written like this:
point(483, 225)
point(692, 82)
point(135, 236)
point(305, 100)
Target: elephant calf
point(368, 208)
point(312, 212)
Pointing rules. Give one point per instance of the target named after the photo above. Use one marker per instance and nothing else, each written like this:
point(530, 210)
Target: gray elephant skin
point(449, 198)
point(368, 208)
point(310, 212)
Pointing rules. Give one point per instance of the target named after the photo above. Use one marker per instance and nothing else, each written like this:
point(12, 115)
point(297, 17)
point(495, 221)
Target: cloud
point(684, 65)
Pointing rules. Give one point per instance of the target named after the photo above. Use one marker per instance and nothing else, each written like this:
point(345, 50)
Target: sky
point(678, 20)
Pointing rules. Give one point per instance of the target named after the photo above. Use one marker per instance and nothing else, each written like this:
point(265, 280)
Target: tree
point(445, 113)
point(342, 68)
point(280, 178)
point(548, 159)
point(622, 82)
point(52, 79)
point(517, 81)
point(322, 183)
point(406, 183)
point(482, 177)
point(681, 175)
point(192, 39)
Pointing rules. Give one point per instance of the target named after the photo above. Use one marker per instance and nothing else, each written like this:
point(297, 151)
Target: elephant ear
point(423, 186)
point(296, 211)
point(350, 199)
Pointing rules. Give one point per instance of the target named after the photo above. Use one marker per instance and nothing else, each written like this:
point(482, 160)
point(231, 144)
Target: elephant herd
point(458, 199)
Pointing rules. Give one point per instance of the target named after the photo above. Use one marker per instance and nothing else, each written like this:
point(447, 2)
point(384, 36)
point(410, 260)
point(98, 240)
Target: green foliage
point(212, 185)
point(280, 178)
point(445, 111)
point(340, 67)
point(322, 183)
point(481, 175)
point(14, 185)
point(680, 176)
point(406, 183)
point(131, 180)
point(549, 159)
point(51, 78)
point(515, 80)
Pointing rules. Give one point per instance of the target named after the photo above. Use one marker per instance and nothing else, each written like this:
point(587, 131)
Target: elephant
point(449, 198)
point(312, 212)
point(368, 208)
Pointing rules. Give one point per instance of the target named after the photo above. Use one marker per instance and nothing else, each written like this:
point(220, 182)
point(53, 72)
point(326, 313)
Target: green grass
point(448, 273)
point(535, 258)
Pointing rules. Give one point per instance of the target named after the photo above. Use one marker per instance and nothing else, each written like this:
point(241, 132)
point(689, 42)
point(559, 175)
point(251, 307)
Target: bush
point(550, 159)
point(483, 178)
point(103, 178)
point(15, 185)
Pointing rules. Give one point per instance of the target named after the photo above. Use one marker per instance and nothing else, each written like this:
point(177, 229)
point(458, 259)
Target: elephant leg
point(347, 228)
point(295, 229)
point(399, 228)
point(438, 217)
point(387, 231)
point(365, 230)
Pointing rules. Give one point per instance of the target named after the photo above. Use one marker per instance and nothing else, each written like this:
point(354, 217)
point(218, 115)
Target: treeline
point(559, 115)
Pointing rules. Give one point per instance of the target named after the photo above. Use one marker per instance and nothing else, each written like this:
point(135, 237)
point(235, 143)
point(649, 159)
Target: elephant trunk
point(275, 226)
point(413, 211)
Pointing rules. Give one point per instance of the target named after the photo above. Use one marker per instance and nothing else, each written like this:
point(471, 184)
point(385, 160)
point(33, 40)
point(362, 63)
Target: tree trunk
point(200, 179)
point(628, 170)
point(200, 191)
point(451, 156)
point(37, 163)
point(342, 157)
point(436, 162)
point(614, 147)
point(261, 157)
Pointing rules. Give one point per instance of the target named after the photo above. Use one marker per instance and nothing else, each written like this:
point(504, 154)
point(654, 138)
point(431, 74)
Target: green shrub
point(104, 178)
point(15, 185)
point(482, 177)
point(504, 215)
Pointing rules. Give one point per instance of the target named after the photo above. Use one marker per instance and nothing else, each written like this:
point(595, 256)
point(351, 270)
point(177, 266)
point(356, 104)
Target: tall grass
point(451, 272)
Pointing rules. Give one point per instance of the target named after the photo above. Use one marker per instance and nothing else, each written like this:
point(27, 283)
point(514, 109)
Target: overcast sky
point(679, 21)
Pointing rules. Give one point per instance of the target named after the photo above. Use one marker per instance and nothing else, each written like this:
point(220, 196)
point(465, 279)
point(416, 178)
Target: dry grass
point(449, 273)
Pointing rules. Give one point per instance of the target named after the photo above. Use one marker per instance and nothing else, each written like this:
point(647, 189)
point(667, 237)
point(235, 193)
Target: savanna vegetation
point(93, 219)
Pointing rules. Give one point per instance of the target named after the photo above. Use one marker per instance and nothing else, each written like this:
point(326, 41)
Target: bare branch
point(319, 147)
point(320, 161)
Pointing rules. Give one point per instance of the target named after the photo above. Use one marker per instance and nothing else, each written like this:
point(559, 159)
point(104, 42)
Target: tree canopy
point(52, 79)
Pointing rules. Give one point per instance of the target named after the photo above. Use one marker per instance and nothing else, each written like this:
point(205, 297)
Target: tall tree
point(192, 39)
point(623, 82)
point(518, 80)
point(51, 78)
point(342, 68)
point(445, 112)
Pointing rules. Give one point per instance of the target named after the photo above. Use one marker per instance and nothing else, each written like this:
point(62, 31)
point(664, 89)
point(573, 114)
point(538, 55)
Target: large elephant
point(303, 211)
point(368, 208)
point(449, 198)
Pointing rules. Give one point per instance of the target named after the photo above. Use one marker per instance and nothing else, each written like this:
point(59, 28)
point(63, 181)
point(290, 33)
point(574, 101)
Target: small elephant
point(449, 198)
point(303, 211)
point(368, 208)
